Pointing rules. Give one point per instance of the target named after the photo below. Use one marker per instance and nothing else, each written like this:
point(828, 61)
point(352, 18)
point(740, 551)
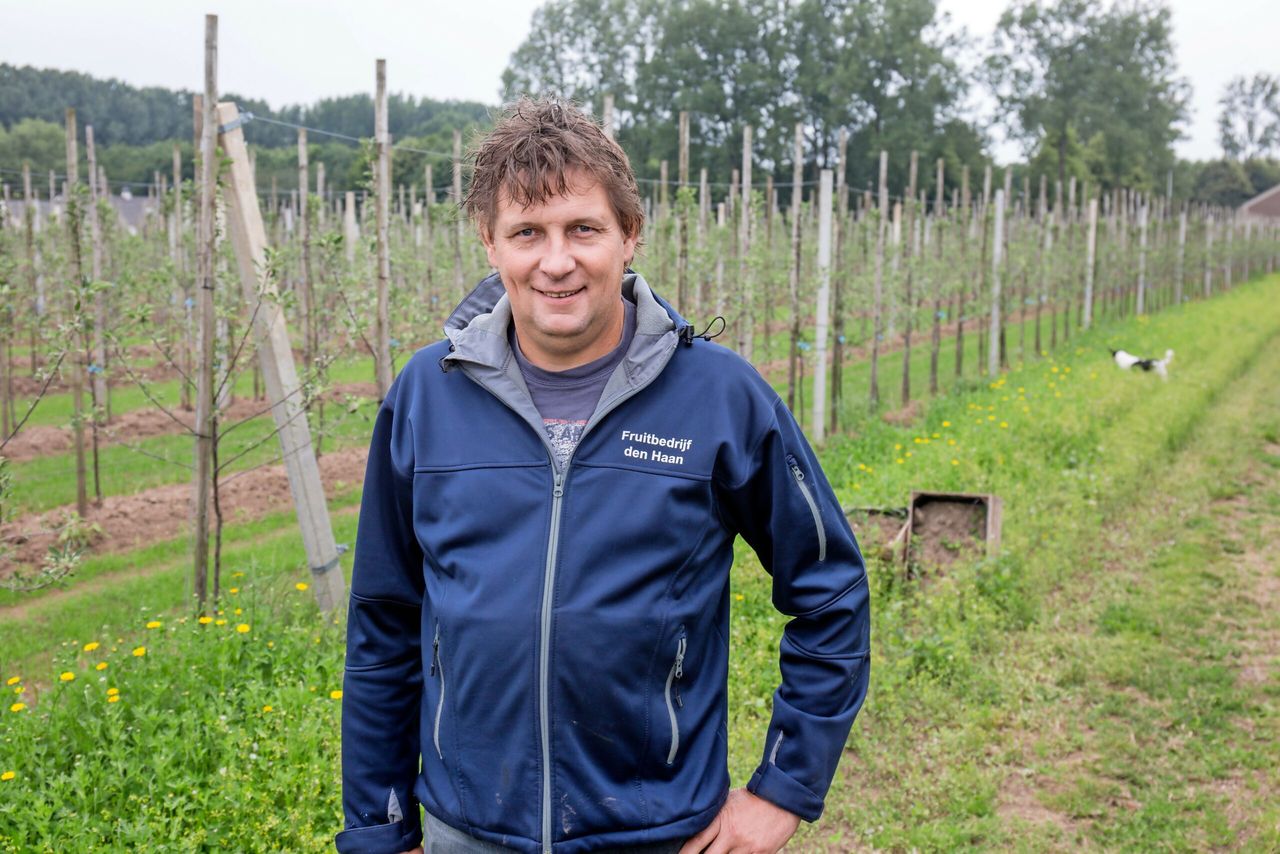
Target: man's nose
point(557, 260)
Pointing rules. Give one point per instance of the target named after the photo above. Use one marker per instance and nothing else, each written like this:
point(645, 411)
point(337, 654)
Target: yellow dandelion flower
point(907, 454)
point(13, 680)
point(897, 447)
point(19, 689)
point(233, 590)
point(154, 624)
point(139, 651)
point(204, 621)
point(237, 574)
point(7, 776)
point(946, 423)
point(243, 628)
point(114, 698)
point(267, 709)
point(271, 644)
point(951, 441)
point(301, 585)
point(1066, 370)
point(66, 676)
point(335, 695)
point(955, 462)
point(91, 646)
point(1054, 369)
point(1004, 424)
point(739, 597)
point(900, 461)
point(935, 436)
point(17, 707)
point(101, 665)
point(219, 622)
point(991, 418)
point(111, 692)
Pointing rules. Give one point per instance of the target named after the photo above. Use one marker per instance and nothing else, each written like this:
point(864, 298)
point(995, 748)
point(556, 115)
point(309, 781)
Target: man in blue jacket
point(538, 629)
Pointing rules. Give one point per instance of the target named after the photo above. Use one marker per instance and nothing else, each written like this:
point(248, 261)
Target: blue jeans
point(440, 838)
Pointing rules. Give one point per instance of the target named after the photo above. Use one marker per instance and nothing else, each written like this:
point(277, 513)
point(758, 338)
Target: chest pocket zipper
point(673, 690)
point(798, 475)
point(437, 666)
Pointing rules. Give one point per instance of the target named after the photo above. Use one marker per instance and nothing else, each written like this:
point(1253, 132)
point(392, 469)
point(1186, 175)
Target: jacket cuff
point(783, 791)
point(390, 838)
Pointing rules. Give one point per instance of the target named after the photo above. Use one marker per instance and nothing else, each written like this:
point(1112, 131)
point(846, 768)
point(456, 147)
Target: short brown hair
point(531, 150)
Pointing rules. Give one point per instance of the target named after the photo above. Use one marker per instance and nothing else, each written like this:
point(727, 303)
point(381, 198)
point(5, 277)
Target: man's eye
point(525, 232)
point(583, 229)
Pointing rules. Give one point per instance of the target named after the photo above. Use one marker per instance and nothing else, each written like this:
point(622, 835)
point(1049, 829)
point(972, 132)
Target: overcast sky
point(290, 51)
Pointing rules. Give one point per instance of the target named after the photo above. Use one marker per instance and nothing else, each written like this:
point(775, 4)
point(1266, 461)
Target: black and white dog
point(1127, 360)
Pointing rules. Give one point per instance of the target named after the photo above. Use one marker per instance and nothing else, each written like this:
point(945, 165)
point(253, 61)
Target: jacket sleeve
point(781, 503)
point(382, 685)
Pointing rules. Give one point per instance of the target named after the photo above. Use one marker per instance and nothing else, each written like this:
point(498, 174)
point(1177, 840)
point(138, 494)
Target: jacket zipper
point(676, 673)
point(436, 663)
point(813, 506)
point(549, 573)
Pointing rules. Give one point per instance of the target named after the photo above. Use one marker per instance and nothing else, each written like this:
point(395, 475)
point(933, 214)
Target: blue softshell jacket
point(539, 656)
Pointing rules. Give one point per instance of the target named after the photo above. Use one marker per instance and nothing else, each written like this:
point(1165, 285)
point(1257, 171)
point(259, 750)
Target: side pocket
point(798, 475)
point(672, 690)
point(437, 667)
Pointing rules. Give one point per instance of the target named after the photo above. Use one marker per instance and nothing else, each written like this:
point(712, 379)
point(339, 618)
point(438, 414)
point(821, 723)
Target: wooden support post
point(1141, 305)
point(283, 387)
point(71, 216)
point(935, 341)
point(746, 326)
point(322, 212)
point(997, 256)
point(459, 280)
point(205, 411)
point(682, 221)
point(823, 309)
point(350, 231)
point(838, 279)
point(307, 288)
point(382, 323)
point(877, 310)
point(1090, 261)
point(98, 361)
point(797, 199)
point(909, 300)
point(1208, 255)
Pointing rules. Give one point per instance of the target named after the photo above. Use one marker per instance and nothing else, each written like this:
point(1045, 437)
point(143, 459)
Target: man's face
point(562, 263)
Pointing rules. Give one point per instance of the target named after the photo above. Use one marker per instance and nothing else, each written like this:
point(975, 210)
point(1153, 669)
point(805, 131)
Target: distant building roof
point(131, 210)
point(1265, 204)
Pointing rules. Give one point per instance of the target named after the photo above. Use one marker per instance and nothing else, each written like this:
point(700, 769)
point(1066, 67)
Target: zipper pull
point(680, 650)
point(435, 651)
point(558, 489)
point(795, 468)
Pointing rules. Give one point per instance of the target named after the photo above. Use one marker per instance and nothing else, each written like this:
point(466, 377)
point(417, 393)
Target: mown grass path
point(1140, 708)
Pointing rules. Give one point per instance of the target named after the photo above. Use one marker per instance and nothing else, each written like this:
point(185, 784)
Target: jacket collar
point(477, 328)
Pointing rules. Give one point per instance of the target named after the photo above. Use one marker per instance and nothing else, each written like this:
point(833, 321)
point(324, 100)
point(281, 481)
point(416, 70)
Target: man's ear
point(486, 237)
point(629, 249)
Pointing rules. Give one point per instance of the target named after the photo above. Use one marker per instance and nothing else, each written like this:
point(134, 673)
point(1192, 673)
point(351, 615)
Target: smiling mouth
point(561, 294)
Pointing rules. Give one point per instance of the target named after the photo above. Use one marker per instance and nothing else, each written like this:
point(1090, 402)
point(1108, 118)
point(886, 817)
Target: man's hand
point(417, 850)
point(746, 824)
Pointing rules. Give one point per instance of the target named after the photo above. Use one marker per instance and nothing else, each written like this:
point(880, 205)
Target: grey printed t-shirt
point(566, 399)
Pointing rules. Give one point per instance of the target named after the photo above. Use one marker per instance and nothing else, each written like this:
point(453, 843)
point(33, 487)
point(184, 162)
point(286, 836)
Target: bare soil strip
point(163, 512)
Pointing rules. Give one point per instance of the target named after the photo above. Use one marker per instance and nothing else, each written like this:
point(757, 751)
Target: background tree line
point(1089, 89)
